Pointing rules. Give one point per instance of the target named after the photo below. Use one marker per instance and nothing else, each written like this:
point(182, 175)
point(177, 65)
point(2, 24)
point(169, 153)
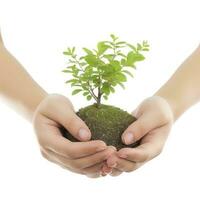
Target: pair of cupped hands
point(95, 158)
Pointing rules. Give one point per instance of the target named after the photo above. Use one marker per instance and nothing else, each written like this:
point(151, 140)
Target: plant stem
point(99, 87)
point(99, 97)
point(92, 92)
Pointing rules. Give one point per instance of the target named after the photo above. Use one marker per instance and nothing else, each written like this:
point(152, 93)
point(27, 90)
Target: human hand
point(153, 124)
point(85, 157)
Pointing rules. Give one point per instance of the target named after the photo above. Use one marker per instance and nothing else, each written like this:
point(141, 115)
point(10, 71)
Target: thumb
point(76, 126)
point(59, 109)
point(144, 124)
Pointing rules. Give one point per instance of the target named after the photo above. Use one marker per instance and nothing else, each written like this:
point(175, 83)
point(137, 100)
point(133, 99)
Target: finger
point(95, 169)
point(53, 158)
point(151, 146)
point(105, 169)
point(112, 161)
point(52, 139)
point(93, 159)
point(145, 123)
point(115, 172)
point(126, 166)
point(64, 114)
point(134, 154)
point(76, 150)
point(97, 175)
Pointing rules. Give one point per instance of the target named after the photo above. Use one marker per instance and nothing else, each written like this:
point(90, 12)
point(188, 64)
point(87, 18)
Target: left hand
point(153, 124)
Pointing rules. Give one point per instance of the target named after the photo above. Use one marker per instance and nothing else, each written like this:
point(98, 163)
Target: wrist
point(172, 104)
point(36, 102)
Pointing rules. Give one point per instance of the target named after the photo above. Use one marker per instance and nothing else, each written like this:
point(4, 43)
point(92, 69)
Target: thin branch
point(91, 90)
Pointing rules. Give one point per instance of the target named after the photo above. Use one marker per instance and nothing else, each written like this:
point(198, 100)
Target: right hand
point(85, 157)
point(154, 122)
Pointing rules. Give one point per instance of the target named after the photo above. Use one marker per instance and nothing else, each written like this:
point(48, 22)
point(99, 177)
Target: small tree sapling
point(95, 75)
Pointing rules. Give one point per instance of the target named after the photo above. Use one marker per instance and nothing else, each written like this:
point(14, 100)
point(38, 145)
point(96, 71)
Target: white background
point(37, 31)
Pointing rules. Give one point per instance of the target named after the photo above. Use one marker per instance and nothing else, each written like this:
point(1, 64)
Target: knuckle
point(71, 121)
point(138, 130)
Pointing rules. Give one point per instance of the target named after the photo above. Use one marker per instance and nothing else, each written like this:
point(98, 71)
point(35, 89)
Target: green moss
point(106, 123)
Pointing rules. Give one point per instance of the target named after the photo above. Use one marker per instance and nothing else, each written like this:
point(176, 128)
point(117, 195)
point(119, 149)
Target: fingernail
point(128, 138)
point(114, 148)
point(84, 134)
point(100, 148)
point(113, 165)
point(123, 156)
point(103, 174)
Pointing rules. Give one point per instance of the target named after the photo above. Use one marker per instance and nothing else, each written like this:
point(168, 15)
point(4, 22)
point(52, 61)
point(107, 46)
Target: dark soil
point(106, 123)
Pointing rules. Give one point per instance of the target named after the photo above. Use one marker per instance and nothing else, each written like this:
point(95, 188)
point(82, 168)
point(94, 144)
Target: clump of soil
point(106, 123)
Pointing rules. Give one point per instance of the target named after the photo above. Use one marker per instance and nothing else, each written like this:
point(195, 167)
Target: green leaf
point(145, 49)
point(121, 54)
point(113, 84)
point(91, 60)
point(73, 50)
point(102, 47)
point(123, 61)
point(89, 97)
point(66, 71)
point(133, 57)
point(122, 42)
point(122, 85)
point(87, 51)
point(72, 81)
point(109, 57)
point(76, 91)
point(120, 77)
point(112, 89)
point(130, 58)
point(84, 86)
point(105, 88)
point(139, 47)
point(107, 70)
point(75, 84)
point(85, 93)
point(131, 66)
point(119, 46)
point(131, 46)
point(127, 72)
point(116, 65)
point(105, 97)
point(145, 43)
point(67, 53)
point(83, 64)
point(113, 37)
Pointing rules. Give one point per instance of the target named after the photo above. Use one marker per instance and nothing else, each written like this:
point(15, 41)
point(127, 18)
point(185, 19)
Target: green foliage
point(100, 70)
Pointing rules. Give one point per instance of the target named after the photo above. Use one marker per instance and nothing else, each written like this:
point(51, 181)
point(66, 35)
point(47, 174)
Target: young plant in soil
point(95, 75)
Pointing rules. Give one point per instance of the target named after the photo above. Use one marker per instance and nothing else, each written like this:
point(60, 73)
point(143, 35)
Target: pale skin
point(155, 117)
point(48, 113)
